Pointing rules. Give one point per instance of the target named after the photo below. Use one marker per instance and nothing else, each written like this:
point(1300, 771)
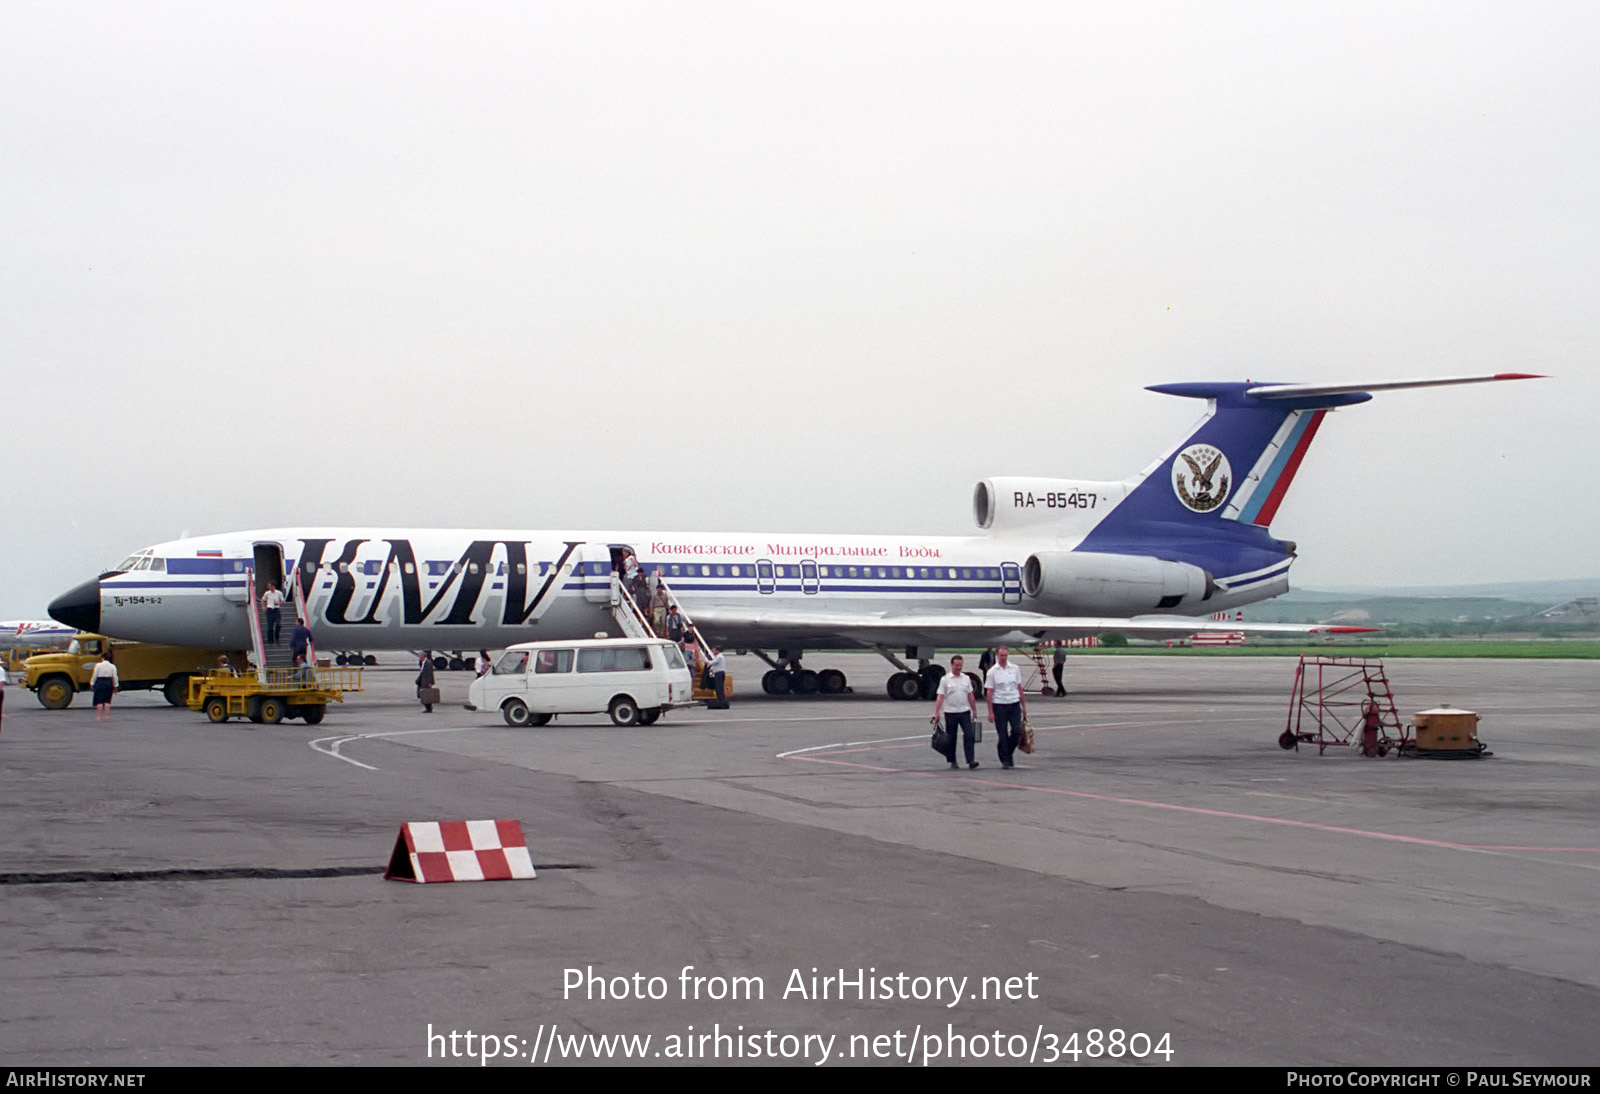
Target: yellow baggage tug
point(272, 695)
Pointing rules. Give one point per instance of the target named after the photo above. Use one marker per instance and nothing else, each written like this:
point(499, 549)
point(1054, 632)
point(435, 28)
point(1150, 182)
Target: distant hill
point(1428, 604)
point(1554, 591)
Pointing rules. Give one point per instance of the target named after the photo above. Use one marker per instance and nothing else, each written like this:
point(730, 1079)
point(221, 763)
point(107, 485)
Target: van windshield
point(512, 663)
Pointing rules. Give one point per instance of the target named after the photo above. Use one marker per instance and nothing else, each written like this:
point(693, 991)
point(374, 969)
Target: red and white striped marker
point(477, 850)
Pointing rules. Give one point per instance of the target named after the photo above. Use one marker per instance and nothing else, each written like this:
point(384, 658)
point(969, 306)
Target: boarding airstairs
point(635, 624)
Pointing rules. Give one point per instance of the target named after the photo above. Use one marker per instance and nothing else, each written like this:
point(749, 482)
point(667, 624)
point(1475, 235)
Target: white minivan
point(634, 680)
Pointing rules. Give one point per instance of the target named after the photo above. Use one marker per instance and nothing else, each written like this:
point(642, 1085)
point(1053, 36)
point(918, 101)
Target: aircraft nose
point(79, 607)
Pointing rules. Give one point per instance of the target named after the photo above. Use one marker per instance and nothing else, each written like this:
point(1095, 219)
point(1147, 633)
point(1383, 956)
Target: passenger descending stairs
point(277, 656)
point(635, 625)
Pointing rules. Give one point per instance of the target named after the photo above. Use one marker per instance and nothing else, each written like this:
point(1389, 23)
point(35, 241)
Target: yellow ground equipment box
point(1445, 729)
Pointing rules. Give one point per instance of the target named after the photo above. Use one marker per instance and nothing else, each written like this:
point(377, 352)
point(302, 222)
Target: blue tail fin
point(1210, 499)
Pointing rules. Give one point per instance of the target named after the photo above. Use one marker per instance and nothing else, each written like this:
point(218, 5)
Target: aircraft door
point(596, 573)
point(808, 577)
point(1010, 583)
point(234, 588)
point(766, 582)
point(269, 565)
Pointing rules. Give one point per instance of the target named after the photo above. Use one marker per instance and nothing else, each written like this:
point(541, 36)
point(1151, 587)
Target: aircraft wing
point(744, 627)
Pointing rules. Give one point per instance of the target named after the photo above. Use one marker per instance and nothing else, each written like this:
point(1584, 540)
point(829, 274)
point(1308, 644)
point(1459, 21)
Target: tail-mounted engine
point(1088, 583)
point(1073, 505)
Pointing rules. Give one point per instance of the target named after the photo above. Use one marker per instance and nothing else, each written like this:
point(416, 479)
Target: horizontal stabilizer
point(1303, 391)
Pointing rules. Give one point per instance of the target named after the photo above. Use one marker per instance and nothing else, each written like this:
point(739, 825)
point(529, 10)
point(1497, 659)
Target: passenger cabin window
point(550, 661)
point(674, 658)
point(614, 659)
point(512, 663)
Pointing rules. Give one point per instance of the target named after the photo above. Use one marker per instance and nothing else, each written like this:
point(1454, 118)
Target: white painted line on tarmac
point(337, 743)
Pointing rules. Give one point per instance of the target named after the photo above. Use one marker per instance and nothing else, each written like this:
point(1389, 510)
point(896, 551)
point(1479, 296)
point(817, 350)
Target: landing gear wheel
point(217, 709)
point(623, 711)
point(1286, 740)
point(441, 663)
point(516, 713)
point(312, 715)
point(780, 682)
point(905, 685)
point(929, 681)
point(370, 659)
point(176, 691)
point(341, 660)
point(540, 719)
point(805, 682)
point(649, 717)
point(272, 711)
point(977, 684)
point(456, 664)
point(832, 681)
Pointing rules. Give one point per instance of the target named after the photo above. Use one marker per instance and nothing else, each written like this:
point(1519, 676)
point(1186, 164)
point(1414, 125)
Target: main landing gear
point(922, 682)
point(787, 677)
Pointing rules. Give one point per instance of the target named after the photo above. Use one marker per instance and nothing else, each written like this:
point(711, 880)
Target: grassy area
point(1426, 647)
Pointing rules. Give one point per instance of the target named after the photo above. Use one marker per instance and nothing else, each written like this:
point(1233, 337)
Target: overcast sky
point(768, 267)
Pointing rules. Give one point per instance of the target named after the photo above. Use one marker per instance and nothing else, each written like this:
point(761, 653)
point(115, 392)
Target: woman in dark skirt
point(105, 682)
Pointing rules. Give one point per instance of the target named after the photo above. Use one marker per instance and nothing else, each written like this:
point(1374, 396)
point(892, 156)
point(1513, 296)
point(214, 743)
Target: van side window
point(552, 661)
point(626, 659)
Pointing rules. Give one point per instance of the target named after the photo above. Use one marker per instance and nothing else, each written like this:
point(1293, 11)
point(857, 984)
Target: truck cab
point(57, 676)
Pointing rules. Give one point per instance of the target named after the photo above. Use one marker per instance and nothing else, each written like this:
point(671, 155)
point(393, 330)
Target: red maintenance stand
point(1342, 701)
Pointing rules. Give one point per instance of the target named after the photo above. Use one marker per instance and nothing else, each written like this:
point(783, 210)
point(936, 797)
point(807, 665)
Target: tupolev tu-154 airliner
point(1053, 558)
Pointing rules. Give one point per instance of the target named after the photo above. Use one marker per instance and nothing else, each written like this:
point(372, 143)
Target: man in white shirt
point(1007, 705)
point(271, 606)
point(717, 669)
point(954, 700)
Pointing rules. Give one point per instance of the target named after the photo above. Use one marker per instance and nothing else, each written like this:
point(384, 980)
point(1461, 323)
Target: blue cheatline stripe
point(110, 588)
point(201, 565)
point(1245, 584)
point(1263, 489)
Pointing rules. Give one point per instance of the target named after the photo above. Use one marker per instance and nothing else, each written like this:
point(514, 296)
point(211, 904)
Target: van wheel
point(176, 690)
point(516, 713)
point(624, 711)
point(217, 709)
point(56, 693)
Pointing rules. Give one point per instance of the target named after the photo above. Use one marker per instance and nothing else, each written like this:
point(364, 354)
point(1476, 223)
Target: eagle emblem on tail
point(1201, 477)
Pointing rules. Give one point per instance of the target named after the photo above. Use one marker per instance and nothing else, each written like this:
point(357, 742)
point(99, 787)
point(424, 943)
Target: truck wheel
point(516, 713)
point(56, 692)
point(217, 709)
point(272, 710)
point(176, 690)
point(624, 711)
point(313, 714)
